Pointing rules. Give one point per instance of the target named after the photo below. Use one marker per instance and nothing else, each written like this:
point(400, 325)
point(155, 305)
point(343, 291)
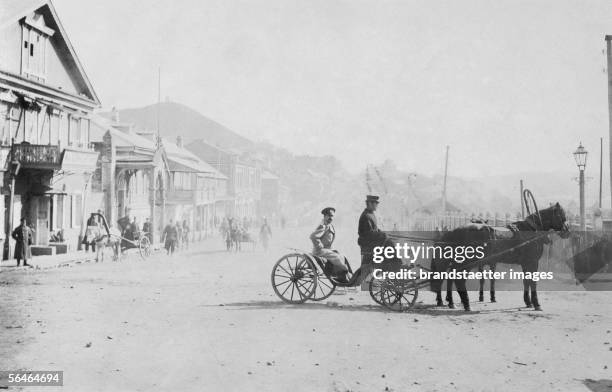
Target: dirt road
point(211, 322)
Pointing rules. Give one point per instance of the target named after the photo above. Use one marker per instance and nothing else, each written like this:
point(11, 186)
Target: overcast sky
point(510, 85)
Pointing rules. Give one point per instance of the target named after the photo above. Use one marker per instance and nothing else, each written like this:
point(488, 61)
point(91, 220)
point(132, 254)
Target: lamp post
point(580, 155)
point(14, 171)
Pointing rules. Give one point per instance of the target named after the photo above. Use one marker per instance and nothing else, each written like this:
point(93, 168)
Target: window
point(71, 208)
point(74, 131)
point(54, 125)
point(35, 36)
point(84, 139)
point(59, 212)
point(78, 213)
point(64, 122)
point(10, 126)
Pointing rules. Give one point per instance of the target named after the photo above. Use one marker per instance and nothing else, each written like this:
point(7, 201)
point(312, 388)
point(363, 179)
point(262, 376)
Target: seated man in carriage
point(322, 239)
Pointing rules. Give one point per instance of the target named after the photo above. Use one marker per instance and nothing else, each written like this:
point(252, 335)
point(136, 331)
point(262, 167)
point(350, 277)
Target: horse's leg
point(436, 287)
point(534, 285)
point(482, 282)
point(526, 296)
point(492, 289)
point(534, 295)
point(439, 301)
point(463, 294)
point(449, 293)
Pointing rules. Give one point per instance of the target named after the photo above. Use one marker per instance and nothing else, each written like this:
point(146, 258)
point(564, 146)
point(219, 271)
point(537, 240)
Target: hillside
point(175, 119)
point(316, 181)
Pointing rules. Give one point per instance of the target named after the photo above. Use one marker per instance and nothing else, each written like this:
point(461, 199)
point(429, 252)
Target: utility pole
point(600, 169)
point(444, 185)
point(609, 55)
point(522, 202)
point(158, 101)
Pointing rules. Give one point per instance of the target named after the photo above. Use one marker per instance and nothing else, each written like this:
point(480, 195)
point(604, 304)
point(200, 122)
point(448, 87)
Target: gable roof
point(181, 159)
point(14, 10)
point(101, 125)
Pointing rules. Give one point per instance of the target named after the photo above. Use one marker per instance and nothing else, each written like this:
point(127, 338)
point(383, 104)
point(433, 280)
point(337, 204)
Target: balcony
point(37, 156)
point(180, 196)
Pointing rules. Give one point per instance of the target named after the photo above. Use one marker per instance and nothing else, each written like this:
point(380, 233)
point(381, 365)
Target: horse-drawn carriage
point(121, 241)
point(301, 276)
point(235, 237)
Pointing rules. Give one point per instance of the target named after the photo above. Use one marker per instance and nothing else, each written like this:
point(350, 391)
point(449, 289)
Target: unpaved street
point(211, 322)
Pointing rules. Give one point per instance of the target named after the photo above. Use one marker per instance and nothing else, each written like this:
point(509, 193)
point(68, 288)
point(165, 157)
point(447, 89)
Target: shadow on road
point(598, 385)
point(420, 309)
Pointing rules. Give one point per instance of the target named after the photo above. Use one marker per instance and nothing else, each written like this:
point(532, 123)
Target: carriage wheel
point(325, 287)
point(294, 278)
point(399, 295)
point(376, 290)
point(144, 247)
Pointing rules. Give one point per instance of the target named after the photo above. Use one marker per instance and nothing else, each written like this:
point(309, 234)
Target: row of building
point(62, 161)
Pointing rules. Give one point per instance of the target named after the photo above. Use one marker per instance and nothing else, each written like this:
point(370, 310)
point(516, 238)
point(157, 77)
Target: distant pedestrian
point(23, 236)
point(92, 232)
point(170, 238)
point(265, 233)
point(179, 235)
point(134, 229)
point(147, 229)
point(186, 234)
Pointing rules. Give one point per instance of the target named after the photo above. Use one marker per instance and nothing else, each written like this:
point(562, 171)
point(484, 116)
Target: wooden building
point(46, 101)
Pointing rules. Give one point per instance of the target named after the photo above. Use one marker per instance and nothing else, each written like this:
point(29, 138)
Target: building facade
point(244, 178)
point(46, 101)
point(194, 190)
point(132, 175)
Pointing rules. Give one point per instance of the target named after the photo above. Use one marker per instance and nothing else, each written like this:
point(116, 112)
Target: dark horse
point(519, 243)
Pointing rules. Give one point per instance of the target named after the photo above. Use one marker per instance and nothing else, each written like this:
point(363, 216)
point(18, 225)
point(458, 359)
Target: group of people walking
point(234, 232)
point(176, 236)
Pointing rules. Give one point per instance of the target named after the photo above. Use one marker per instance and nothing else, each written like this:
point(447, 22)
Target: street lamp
point(580, 155)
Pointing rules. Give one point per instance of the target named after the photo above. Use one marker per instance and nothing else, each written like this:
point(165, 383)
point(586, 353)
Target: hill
point(175, 119)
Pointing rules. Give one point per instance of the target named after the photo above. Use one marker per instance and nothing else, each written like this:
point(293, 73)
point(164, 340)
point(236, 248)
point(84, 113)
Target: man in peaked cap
point(370, 235)
point(322, 240)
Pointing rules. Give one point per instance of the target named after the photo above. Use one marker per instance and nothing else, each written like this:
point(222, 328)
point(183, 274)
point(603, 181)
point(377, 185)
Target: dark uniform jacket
point(171, 235)
point(23, 239)
point(369, 233)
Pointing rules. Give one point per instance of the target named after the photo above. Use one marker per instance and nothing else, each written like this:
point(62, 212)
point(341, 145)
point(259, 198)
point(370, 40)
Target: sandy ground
point(211, 322)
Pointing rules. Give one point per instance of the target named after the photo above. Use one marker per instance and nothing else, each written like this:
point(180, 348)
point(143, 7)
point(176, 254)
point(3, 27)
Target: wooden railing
point(36, 155)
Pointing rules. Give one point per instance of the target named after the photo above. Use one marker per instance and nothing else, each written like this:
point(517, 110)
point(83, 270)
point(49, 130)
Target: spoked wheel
point(376, 290)
point(144, 247)
point(325, 287)
point(398, 295)
point(294, 278)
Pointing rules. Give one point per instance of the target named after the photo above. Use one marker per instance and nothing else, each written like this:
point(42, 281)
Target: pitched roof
point(101, 125)
point(13, 10)
point(182, 159)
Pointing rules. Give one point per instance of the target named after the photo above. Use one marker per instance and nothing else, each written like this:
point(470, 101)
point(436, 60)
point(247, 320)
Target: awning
point(187, 165)
point(79, 160)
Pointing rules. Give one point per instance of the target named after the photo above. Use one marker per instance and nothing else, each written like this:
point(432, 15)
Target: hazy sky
point(510, 85)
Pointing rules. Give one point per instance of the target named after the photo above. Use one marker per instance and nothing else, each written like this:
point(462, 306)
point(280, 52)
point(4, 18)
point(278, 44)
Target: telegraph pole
point(522, 202)
point(609, 56)
point(444, 186)
point(600, 169)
